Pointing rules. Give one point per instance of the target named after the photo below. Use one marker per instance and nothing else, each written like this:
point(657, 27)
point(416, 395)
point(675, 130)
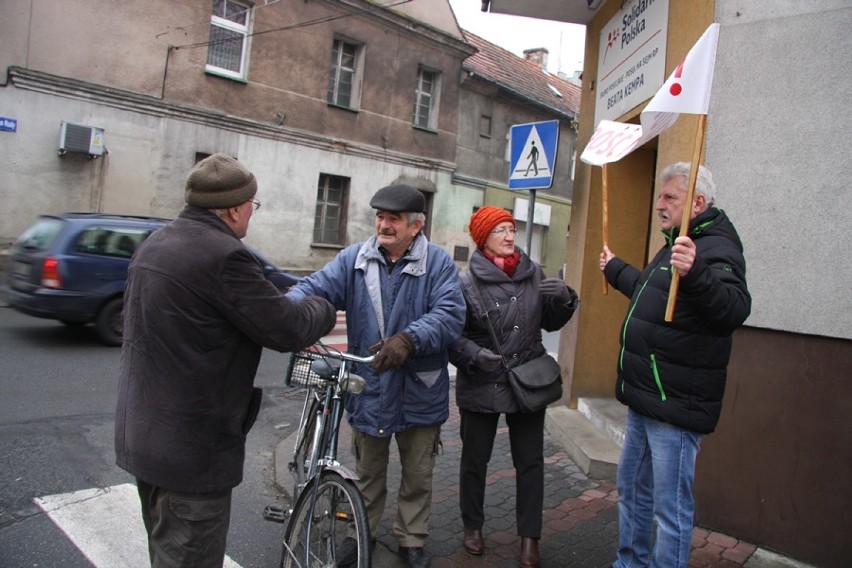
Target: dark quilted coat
point(518, 313)
point(676, 371)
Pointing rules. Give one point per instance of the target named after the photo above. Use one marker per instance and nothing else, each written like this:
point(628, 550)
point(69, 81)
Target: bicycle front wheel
point(330, 531)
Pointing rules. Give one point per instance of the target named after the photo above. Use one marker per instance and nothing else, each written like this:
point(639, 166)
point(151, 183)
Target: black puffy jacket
point(676, 371)
point(518, 312)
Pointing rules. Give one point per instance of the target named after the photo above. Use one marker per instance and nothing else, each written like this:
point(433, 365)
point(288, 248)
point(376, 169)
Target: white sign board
point(541, 212)
point(632, 57)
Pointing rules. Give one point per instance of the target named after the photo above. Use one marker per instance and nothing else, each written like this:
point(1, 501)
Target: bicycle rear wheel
point(315, 535)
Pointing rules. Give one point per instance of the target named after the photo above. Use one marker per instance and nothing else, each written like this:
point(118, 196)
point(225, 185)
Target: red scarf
point(507, 264)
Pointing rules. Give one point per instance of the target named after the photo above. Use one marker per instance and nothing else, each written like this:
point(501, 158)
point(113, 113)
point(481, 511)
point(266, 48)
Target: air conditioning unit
point(81, 138)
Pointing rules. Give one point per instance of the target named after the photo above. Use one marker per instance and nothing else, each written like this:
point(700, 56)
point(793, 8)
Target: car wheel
point(108, 323)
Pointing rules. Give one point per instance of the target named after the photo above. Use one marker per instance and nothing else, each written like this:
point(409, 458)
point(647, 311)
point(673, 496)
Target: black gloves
point(559, 290)
point(392, 352)
point(488, 361)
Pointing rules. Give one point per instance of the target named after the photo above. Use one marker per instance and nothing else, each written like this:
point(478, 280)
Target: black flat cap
point(400, 198)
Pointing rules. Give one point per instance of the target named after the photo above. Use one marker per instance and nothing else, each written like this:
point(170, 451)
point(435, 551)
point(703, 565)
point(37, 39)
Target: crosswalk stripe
point(104, 524)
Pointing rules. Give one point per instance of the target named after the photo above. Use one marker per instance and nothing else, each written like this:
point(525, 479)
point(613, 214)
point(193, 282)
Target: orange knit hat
point(483, 221)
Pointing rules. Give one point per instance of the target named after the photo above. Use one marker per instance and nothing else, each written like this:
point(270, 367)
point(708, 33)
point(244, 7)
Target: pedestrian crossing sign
point(533, 154)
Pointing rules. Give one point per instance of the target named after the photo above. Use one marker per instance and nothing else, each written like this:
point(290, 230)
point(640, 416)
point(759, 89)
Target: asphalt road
point(57, 402)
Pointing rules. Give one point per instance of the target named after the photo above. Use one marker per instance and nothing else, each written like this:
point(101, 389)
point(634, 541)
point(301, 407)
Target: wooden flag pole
point(605, 220)
point(687, 208)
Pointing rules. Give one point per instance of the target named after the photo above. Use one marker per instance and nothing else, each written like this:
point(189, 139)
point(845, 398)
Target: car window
point(110, 241)
point(41, 234)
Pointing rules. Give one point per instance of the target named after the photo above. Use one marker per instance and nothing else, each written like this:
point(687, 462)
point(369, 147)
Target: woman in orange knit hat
point(519, 302)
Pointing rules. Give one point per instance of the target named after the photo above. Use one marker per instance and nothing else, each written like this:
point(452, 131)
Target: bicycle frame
point(319, 425)
point(328, 408)
point(326, 401)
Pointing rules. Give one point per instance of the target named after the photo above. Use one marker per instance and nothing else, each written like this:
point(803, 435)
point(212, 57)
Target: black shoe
point(347, 552)
point(414, 556)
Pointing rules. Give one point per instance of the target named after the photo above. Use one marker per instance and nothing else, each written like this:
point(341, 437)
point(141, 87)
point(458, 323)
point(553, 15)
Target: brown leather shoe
point(473, 542)
point(529, 552)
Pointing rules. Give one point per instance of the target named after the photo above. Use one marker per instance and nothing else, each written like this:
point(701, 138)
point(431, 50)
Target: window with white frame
point(227, 53)
point(427, 98)
point(330, 217)
point(344, 78)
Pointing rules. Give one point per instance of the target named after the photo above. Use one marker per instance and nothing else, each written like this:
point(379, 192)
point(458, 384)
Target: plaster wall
point(148, 159)
point(778, 145)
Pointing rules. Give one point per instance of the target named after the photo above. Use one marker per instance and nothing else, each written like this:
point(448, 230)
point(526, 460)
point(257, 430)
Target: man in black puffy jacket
point(672, 375)
point(197, 313)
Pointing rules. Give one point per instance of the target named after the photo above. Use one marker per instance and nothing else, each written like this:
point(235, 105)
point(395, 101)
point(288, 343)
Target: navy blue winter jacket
point(422, 297)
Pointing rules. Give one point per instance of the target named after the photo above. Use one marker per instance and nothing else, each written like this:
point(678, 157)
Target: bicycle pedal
point(276, 514)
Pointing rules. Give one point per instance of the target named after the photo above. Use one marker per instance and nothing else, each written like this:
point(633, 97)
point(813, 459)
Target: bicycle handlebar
point(328, 351)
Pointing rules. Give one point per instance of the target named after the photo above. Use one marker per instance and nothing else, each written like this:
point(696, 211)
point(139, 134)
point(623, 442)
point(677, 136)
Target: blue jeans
point(655, 475)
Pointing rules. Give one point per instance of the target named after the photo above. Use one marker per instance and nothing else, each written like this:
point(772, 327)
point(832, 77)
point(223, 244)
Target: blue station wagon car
point(73, 267)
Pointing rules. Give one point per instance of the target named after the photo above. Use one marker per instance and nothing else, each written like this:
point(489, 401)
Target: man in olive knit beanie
point(197, 314)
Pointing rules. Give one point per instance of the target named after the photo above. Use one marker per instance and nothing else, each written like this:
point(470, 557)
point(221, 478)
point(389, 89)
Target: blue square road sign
point(533, 154)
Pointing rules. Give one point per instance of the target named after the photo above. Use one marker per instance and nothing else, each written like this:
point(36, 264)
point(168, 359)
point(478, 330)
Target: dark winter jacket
point(197, 313)
point(676, 371)
point(421, 297)
point(518, 313)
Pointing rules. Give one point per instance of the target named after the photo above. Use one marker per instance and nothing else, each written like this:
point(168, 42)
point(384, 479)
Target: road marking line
point(104, 524)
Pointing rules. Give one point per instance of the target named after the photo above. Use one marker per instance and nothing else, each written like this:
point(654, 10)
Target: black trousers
point(185, 530)
point(526, 439)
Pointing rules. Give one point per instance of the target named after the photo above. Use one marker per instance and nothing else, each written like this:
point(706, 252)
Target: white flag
point(687, 91)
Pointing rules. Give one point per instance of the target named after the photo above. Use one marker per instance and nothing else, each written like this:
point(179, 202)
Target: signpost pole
point(530, 220)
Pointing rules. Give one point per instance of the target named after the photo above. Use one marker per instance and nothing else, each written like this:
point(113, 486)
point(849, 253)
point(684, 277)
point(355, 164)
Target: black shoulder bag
point(536, 383)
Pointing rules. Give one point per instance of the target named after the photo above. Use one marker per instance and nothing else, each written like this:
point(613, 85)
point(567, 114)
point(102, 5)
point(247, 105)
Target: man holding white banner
point(672, 375)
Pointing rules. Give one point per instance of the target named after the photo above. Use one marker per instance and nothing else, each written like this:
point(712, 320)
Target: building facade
point(325, 101)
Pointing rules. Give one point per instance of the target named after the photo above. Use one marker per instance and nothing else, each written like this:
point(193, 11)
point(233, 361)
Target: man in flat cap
point(197, 314)
point(403, 302)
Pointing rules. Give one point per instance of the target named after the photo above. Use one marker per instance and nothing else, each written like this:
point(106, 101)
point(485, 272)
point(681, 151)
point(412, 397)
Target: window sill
point(327, 246)
point(216, 72)
point(424, 129)
point(340, 107)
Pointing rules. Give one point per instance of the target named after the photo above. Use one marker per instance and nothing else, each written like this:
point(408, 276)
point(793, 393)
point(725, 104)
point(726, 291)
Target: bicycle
point(328, 517)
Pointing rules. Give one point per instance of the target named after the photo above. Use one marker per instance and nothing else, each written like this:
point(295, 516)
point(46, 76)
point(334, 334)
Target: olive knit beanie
point(219, 182)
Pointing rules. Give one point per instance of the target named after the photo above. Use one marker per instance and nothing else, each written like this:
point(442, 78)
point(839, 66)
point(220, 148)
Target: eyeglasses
point(511, 230)
point(255, 203)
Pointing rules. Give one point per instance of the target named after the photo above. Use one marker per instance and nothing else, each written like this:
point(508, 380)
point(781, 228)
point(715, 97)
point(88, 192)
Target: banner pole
point(687, 208)
point(605, 198)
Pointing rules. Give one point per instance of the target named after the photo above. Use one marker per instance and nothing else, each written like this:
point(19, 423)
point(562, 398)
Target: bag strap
point(494, 340)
